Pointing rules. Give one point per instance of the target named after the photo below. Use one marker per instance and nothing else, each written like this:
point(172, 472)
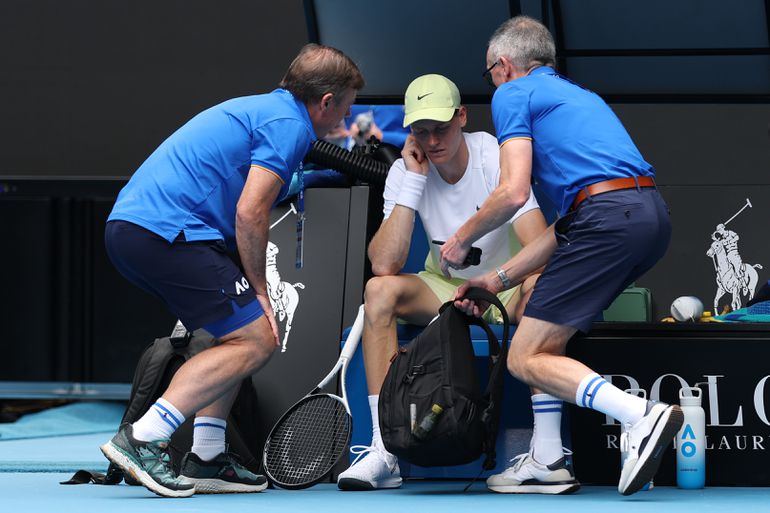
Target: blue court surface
point(33, 492)
point(32, 467)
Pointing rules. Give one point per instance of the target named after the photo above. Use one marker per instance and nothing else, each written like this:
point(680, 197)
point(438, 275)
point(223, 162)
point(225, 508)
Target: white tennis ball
point(686, 308)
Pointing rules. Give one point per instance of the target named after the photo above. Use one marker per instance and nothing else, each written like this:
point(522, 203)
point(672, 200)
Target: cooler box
point(632, 305)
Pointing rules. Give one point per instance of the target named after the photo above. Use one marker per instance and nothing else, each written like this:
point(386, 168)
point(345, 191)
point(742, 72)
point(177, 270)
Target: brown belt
point(615, 184)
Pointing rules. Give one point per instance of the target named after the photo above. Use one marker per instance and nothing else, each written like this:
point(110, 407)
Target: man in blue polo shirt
point(614, 226)
point(207, 189)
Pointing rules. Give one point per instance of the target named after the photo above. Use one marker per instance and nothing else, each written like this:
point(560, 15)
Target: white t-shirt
point(445, 207)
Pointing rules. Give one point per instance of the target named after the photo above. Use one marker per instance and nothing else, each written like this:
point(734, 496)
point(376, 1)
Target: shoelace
point(624, 442)
point(361, 451)
point(519, 460)
point(163, 459)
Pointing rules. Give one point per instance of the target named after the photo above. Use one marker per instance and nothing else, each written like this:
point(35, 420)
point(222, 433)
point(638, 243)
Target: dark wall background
point(91, 87)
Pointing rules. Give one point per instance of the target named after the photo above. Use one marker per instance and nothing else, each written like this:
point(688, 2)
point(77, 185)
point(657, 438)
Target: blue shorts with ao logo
point(603, 246)
point(198, 281)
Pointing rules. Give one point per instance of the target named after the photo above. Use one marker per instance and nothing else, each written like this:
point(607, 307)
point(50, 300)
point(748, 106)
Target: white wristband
point(411, 190)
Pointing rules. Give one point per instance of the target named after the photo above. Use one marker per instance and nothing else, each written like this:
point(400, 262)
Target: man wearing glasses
point(445, 175)
point(614, 226)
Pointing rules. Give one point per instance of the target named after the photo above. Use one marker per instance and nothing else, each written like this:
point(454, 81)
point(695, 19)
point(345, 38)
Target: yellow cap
point(433, 97)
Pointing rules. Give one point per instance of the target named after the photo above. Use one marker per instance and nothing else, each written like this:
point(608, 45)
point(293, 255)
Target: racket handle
point(351, 343)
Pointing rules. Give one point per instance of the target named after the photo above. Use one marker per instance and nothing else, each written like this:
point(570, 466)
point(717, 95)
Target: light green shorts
point(444, 288)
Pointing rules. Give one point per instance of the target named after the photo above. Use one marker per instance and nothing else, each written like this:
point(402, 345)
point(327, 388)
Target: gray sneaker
point(147, 462)
point(223, 474)
point(526, 475)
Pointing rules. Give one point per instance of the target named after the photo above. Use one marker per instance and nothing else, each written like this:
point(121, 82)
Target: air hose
point(370, 165)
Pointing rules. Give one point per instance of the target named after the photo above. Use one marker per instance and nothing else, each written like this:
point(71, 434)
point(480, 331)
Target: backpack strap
point(113, 476)
point(479, 294)
point(495, 351)
point(498, 354)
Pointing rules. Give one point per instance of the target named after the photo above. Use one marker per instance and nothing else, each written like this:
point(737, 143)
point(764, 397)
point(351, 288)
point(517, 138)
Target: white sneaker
point(644, 443)
point(528, 476)
point(373, 469)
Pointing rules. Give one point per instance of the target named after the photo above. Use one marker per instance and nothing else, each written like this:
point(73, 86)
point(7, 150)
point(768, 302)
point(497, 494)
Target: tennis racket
point(308, 440)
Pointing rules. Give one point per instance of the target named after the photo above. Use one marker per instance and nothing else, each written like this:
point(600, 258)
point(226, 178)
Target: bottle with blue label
point(639, 392)
point(691, 441)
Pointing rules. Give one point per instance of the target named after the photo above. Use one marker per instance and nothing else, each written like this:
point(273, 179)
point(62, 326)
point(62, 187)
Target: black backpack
point(438, 368)
point(156, 367)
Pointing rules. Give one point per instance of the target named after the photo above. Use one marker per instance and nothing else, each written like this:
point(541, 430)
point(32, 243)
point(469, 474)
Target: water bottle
point(691, 441)
point(639, 392)
point(428, 421)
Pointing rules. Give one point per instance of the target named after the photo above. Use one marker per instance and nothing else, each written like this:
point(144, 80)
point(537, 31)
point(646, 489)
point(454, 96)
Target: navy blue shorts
point(198, 281)
point(603, 246)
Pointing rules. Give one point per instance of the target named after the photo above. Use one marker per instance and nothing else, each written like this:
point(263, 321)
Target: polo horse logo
point(284, 296)
point(732, 275)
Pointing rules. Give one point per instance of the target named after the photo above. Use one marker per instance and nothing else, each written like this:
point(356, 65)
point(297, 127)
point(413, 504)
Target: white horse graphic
point(740, 283)
point(283, 295)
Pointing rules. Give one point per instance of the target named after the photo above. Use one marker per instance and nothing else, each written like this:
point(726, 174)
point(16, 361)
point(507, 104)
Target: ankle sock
point(158, 423)
point(209, 437)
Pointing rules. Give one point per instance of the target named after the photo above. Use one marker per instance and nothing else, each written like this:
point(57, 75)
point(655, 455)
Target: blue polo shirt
point(192, 182)
point(576, 138)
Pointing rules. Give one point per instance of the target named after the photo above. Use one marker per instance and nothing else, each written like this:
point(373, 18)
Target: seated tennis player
point(445, 175)
point(208, 188)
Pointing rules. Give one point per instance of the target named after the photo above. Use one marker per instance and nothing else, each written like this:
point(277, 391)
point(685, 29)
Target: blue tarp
point(72, 419)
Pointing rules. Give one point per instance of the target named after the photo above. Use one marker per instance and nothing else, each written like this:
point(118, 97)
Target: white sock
point(158, 423)
point(377, 442)
point(208, 437)
point(546, 433)
point(376, 435)
point(596, 393)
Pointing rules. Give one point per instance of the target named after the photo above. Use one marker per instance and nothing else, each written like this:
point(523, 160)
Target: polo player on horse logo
point(283, 295)
point(733, 275)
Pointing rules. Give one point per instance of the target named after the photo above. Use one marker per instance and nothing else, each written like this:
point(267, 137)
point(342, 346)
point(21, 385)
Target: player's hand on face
point(453, 254)
point(414, 157)
point(264, 301)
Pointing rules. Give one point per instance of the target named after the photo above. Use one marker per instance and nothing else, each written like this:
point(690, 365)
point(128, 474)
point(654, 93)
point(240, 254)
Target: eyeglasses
point(488, 74)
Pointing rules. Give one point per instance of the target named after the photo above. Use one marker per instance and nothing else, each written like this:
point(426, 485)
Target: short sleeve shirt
point(577, 140)
point(445, 207)
point(192, 182)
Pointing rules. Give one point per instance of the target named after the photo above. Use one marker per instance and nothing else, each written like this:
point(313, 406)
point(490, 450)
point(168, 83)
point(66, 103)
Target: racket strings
point(309, 441)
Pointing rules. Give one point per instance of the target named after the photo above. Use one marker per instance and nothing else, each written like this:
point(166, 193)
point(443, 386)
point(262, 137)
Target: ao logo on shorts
point(241, 286)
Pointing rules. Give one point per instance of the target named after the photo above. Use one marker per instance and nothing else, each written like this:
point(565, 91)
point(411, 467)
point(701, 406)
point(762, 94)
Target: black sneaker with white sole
point(223, 474)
